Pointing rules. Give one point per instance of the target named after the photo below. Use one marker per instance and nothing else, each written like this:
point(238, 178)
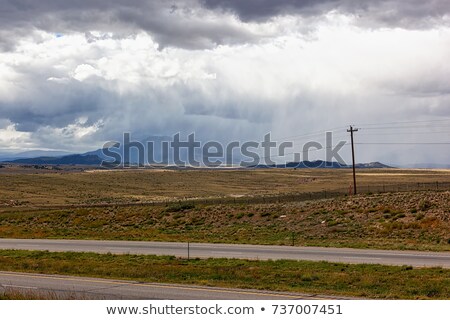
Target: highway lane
point(67, 287)
point(207, 250)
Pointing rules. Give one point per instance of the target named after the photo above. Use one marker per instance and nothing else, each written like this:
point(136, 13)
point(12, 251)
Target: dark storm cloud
point(52, 104)
point(179, 25)
point(184, 23)
point(409, 13)
point(263, 9)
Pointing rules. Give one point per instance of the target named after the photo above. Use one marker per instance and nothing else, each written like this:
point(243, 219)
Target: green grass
point(369, 281)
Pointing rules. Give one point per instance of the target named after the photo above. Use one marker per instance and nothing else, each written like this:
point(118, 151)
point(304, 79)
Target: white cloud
point(11, 139)
point(85, 71)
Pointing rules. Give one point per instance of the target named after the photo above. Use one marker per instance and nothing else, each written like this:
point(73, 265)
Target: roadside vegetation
point(406, 220)
point(18, 294)
point(367, 281)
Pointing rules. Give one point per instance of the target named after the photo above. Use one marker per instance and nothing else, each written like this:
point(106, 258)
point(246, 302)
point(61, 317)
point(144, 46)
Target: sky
point(75, 74)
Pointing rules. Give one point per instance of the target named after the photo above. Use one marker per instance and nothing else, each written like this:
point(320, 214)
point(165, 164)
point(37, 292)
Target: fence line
point(261, 199)
point(324, 194)
point(302, 196)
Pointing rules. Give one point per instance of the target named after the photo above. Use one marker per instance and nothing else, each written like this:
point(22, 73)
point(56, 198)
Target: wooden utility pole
point(351, 130)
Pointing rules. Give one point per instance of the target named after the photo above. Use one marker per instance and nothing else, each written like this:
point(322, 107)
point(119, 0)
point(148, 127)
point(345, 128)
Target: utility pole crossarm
point(351, 130)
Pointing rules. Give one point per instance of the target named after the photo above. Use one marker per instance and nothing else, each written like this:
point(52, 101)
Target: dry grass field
point(30, 188)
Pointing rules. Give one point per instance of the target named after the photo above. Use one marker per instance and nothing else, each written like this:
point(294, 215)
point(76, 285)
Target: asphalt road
point(206, 250)
point(65, 287)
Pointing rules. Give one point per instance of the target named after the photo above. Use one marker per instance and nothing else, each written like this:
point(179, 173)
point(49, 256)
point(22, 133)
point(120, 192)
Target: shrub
point(179, 207)
point(424, 205)
point(420, 216)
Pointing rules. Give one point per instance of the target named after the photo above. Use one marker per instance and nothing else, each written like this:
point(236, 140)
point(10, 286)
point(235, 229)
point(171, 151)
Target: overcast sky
point(74, 74)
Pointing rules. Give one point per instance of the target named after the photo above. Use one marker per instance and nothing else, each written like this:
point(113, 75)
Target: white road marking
point(226, 252)
point(20, 287)
point(353, 258)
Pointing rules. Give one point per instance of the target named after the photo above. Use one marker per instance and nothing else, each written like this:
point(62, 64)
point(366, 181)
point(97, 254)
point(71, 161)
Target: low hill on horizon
point(326, 164)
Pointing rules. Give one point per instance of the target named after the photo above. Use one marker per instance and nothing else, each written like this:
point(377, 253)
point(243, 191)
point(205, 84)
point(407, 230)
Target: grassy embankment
point(411, 220)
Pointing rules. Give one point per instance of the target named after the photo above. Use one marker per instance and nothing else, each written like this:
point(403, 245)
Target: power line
point(405, 127)
point(382, 126)
point(397, 133)
point(335, 137)
point(356, 143)
point(314, 133)
point(406, 143)
point(372, 126)
point(301, 152)
point(405, 122)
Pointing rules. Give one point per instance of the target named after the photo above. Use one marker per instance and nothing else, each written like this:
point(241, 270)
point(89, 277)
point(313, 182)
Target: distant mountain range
point(32, 154)
point(95, 158)
point(74, 159)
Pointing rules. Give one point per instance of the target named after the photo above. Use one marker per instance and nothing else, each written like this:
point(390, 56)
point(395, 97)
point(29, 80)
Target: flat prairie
point(31, 188)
